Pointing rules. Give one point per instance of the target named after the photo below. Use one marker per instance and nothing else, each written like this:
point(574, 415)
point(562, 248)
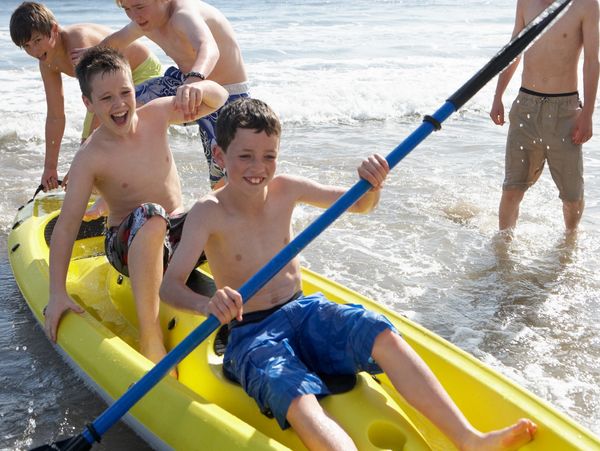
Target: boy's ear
point(219, 156)
point(87, 102)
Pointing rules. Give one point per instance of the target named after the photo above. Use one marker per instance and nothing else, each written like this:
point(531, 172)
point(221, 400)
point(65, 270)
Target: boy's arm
point(195, 100)
point(583, 129)
point(226, 303)
point(55, 125)
point(123, 37)
point(201, 38)
point(374, 169)
point(497, 110)
point(61, 244)
point(119, 40)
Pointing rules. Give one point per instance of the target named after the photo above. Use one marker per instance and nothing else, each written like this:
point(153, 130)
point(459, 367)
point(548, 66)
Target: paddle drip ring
point(437, 125)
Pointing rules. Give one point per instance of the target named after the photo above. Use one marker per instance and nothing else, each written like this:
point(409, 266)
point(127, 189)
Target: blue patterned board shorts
point(167, 86)
point(276, 359)
point(118, 239)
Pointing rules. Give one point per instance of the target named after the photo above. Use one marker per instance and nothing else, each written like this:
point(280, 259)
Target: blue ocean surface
point(349, 78)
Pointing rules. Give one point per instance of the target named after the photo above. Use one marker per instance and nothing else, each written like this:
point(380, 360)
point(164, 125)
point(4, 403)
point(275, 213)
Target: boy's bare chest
point(255, 238)
point(176, 45)
point(139, 164)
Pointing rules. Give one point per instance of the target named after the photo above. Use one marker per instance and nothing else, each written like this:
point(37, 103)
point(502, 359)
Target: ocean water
point(348, 78)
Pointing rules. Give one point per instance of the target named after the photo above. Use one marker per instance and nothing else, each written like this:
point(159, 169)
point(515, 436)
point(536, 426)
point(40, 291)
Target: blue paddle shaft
point(111, 415)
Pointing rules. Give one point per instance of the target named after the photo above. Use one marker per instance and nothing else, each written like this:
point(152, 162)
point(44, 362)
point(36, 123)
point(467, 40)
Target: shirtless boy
point(128, 160)
point(202, 43)
point(240, 227)
point(34, 28)
point(547, 120)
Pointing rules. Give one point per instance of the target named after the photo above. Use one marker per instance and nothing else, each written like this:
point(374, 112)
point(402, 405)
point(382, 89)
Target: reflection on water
point(41, 398)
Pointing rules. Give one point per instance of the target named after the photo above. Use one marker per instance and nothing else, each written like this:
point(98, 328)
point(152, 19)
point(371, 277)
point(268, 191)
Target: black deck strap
point(201, 283)
point(41, 188)
point(339, 383)
point(87, 229)
point(437, 125)
point(93, 432)
point(221, 340)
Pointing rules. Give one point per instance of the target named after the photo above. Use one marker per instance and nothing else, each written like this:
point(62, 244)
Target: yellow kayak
point(204, 410)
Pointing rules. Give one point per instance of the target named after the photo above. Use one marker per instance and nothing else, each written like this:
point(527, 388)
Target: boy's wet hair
point(98, 60)
point(247, 113)
point(29, 18)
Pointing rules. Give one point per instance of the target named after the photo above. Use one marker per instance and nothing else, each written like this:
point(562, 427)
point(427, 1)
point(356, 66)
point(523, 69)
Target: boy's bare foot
point(510, 438)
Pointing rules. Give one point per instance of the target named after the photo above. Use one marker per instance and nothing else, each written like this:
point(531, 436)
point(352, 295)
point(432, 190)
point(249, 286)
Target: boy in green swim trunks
point(128, 160)
point(280, 340)
point(34, 28)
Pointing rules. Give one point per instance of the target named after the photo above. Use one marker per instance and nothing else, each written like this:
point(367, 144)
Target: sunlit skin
point(128, 160)
point(242, 226)
point(39, 46)
point(550, 67)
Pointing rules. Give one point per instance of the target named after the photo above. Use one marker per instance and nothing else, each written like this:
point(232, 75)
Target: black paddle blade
point(77, 443)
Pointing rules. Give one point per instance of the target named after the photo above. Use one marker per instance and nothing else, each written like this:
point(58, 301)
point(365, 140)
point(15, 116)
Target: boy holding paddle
point(128, 160)
point(281, 339)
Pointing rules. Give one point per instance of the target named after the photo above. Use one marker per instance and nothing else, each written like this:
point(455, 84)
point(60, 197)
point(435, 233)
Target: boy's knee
point(387, 341)
point(303, 407)
point(386, 336)
point(156, 225)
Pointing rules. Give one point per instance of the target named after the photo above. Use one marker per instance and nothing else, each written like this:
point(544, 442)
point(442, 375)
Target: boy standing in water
point(547, 120)
point(128, 160)
point(285, 338)
point(34, 28)
point(201, 41)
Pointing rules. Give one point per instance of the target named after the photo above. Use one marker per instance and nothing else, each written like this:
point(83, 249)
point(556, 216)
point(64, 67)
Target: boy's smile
point(251, 158)
point(113, 100)
point(39, 46)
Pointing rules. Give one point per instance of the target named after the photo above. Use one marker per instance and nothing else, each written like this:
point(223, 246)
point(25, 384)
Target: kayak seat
point(336, 383)
point(88, 229)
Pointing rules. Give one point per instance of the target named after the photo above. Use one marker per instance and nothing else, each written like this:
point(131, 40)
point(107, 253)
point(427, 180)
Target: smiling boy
point(281, 339)
point(34, 28)
point(129, 162)
point(201, 42)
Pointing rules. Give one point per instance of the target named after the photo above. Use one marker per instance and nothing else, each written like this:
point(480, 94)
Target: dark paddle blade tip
point(77, 443)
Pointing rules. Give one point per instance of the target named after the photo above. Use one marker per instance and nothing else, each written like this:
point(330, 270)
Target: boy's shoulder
point(91, 155)
point(85, 33)
point(208, 208)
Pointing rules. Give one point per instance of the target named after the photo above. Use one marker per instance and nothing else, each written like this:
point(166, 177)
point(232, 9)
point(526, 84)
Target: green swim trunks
point(150, 68)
